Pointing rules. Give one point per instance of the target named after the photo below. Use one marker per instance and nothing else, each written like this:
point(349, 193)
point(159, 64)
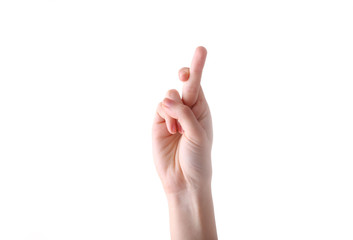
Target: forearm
point(191, 215)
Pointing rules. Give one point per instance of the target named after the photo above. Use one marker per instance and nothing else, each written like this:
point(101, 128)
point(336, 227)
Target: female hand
point(182, 142)
point(182, 133)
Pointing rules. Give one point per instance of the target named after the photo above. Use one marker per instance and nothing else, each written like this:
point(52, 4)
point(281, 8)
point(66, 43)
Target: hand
point(182, 142)
point(182, 133)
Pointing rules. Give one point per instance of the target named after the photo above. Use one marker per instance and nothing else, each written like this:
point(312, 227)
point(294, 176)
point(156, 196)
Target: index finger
point(192, 86)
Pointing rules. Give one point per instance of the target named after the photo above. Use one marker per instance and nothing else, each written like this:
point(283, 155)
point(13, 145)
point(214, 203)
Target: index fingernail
point(184, 75)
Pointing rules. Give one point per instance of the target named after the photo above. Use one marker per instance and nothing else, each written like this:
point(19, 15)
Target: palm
point(180, 159)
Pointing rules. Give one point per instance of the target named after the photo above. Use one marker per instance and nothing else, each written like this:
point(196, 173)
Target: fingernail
point(184, 75)
point(180, 129)
point(168, 102)
point(174, 128)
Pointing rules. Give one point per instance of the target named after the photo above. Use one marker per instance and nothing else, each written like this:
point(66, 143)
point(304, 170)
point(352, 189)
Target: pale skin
point(182, 140)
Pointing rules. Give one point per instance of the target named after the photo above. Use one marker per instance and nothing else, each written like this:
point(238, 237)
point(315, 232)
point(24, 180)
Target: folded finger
point(169, 121)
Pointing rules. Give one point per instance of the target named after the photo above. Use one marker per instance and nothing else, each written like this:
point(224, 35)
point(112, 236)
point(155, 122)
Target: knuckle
point(159, 106)
point(192, 92)
point(184, 110)
point(160, 109)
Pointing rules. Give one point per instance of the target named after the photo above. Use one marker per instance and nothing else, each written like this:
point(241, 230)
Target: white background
point(79, 85)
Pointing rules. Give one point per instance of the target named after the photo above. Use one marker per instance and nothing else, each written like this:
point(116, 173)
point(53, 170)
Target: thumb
point(186, 118)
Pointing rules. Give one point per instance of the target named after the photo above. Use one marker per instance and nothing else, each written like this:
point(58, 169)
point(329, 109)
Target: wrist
point(190, 198)
point(191, 214)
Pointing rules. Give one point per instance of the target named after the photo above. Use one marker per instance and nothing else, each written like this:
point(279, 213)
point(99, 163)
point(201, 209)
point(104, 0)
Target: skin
point(182, 141)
